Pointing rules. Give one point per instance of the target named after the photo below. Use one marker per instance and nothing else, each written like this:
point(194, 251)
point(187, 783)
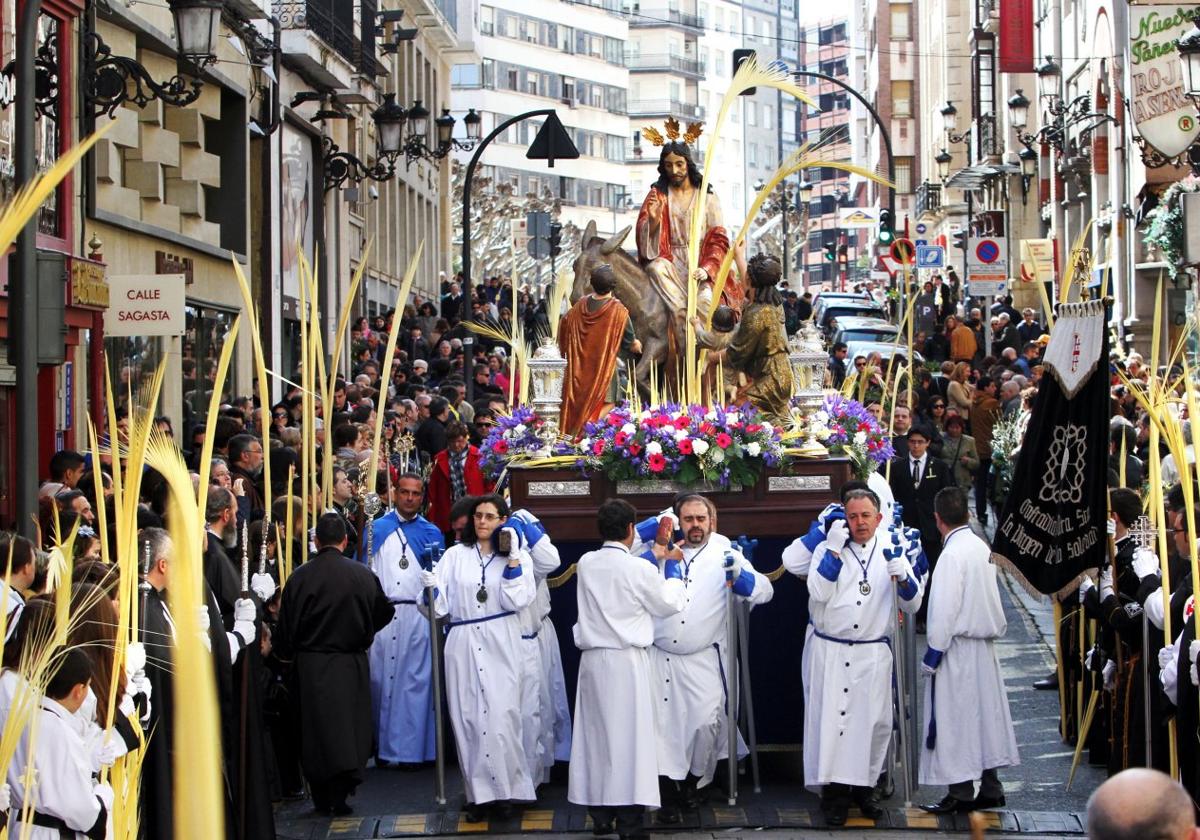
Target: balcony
point(640, 18)
point(664, 64)
point(929, 199)
point(334, 23)
point(665, 108)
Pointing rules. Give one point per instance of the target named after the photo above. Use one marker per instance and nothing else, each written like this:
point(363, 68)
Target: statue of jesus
point(663, 226)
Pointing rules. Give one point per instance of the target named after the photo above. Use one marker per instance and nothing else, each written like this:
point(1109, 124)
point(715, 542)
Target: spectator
point(455, 474)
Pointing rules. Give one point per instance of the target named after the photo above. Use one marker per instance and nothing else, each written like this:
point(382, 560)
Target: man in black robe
point(158, 636)
point(331, 610)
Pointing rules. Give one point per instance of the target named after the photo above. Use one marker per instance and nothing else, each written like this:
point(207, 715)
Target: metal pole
point(731, 689)
point(899, 662)
point(435, 671)
point(1146, 691)
point(751, 727)
point(468, 285)
point(22, 279)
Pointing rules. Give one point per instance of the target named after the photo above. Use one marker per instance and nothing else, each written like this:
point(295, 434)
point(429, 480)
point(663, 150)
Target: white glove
point(1165, 656)
point(244, 614)
point(927, 671)
point(135, 659)
point(823, 517)
point(1084, 586)
point(5, 797)
point(105, 794)
point(263, 586)
point(1112, 527)
point(1110, 675)
point(1095, 660)
point(1106, 583)
point(106, 751)
point(428, 579)
point(202, 620)
point(837, 536)
point(514, 541)
point(899, 568)
point(1145, 563)
point(1193, 649)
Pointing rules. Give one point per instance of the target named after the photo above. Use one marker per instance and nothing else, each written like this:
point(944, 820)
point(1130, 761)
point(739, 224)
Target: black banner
point(1053, 524)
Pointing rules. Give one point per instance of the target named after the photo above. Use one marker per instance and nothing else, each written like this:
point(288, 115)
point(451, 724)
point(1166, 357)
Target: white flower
point(643, 415)
point(821, 417)
point(653, 448)
point(767, 427)
point(629, 429)
point(823, 433)
point(753, 449)
point(680, 434)
point(718, 455)
point(860, 438)
point(518, 430)
point(585, 444)
point(710, 416)
point(731, 417)
point(699, 446)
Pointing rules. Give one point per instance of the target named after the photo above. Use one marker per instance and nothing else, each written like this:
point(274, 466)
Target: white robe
point(63, 776)
point(974, 727)
point(614, 755)
point(537, 704)
point(848, 717)
point(400, 658)
point(690, 658)
point(485, 669)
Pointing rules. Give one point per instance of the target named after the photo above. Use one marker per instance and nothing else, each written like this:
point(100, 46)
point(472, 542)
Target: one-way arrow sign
point(552, 142)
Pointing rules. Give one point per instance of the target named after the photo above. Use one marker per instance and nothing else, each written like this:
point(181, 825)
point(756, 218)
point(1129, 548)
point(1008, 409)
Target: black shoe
point(869, 805)
point(475, 813)
point(835, 812)
point(599, 829)
point(502, 810)
point(982, 803)
point(637, 835)
point(1049, 683)
point(669, 815)
point(949, 805)
point(341, 809)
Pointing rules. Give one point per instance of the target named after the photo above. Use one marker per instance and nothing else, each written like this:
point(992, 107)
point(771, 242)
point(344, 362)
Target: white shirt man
point(968, 728)
point(848, 721)
point(614, 758)
point(689, 650)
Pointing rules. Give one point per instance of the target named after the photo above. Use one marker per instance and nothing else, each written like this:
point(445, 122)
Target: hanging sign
point(1162, 112)
point(145, 304)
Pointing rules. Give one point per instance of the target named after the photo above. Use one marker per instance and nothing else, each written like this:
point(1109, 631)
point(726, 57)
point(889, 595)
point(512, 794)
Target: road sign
point(920, 243)
point(1037, 260)
point(987, 266)
point(537, 230)
point(922, 227)
point(552, 143)
point(986, 288)
point(903, 251)
point(931, 256)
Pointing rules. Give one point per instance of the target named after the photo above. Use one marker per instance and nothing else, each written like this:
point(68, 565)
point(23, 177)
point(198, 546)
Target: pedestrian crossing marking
point(409, 824)
point(729, 816)
point(989, 819)
point(537, 821)
point(465, 826)
point(794, 816)
point(915, 818)
point(859, 822)
point(344, 826)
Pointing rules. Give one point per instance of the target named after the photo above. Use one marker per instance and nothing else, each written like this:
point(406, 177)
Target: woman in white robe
point(481, 593)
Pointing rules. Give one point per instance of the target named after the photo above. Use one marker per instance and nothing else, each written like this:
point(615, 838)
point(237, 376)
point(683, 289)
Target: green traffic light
point(886, 236)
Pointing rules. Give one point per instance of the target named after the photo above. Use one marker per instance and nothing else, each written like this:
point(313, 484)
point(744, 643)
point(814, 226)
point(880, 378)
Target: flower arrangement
point(1166, 228)
point(517, 437)
point(723, 446)
point(1007, 436)
point(845, 427)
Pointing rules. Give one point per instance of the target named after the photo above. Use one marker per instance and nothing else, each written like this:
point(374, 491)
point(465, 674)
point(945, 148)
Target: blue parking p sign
point(931, 256)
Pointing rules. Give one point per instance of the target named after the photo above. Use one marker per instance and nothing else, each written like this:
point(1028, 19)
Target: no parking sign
point(987, 265)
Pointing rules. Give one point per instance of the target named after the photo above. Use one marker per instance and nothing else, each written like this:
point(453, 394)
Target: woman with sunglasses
point(481, 590)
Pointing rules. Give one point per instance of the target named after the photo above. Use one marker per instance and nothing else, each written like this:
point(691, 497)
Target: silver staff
point(245, 557)
point(731, 686)
point(262, 549)
point(371, 506)
point(434, 551)
point(1143, 534)
point(898, 662)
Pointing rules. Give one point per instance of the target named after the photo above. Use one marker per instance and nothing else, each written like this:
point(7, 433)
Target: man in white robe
point(614, 758)
point(689, 656)
point(400, 656)
point(968, 728)
point(848, 720)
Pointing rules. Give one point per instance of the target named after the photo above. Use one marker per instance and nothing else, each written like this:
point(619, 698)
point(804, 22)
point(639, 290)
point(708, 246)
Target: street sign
point(987, 266)
point(920, 243)
point(146, 304)
point(922, 227)
point(858, 217)
point(931, 256)
point(903, 251)
point(986, 288)
point(1037, 260)
point(537, 229)
point(552, 142)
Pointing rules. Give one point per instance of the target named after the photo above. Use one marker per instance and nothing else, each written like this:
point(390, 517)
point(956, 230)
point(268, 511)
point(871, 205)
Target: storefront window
point(207, 328)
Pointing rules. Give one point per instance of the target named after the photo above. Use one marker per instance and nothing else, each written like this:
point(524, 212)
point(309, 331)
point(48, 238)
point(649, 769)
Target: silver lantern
point(547, 370)
point(809, 361)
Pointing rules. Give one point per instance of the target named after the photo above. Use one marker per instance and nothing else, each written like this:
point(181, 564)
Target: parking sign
point(931, 256)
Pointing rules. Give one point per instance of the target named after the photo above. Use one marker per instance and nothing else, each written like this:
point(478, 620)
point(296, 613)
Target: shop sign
point(145, 305)
point(1037, 260)
point(89, 286)
point(165, 263)
point(1162, 112)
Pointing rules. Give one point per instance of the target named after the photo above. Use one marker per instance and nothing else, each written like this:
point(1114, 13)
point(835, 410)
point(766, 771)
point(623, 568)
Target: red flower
point(683, 422)
point(685, 446)
point(620, 439)
point(615, 420)
point(597, 447)
point(864, 427)
point(500, 447)
point(723, 440)
point(635, 448)
point(656, 463)
point(707, 428)
point(753, 428)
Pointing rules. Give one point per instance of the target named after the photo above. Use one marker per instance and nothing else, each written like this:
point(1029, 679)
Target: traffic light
point(843, 251)
point(555, 238)
point(739, 58)
point(887, 234)
point(831, 252)
point(960, 240)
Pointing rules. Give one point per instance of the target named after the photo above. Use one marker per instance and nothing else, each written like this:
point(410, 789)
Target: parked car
point(864, 329)
point(886, 350)
point(847, 308)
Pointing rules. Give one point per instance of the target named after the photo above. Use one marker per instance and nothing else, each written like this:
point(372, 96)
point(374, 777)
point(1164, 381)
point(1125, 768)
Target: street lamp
point(389, 122)
point(197, 28)
point(418, 122)
point(949, 117)
point(1189, 56)
point(1018, 110)
point(943, 160)
point(1028, 159)
point(1048, 76)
